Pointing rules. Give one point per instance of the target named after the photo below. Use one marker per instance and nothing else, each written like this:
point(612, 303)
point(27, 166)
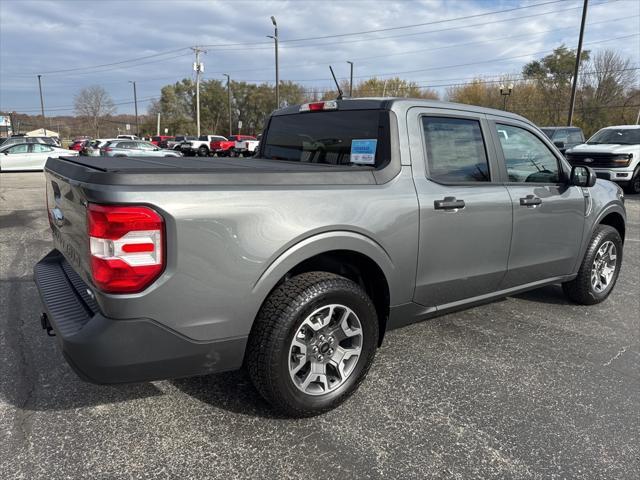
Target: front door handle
point(530, 201)
point(448, 203)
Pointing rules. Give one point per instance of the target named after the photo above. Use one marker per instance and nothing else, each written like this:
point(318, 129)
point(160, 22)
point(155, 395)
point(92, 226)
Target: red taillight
point(126, 247)
point(107, 149)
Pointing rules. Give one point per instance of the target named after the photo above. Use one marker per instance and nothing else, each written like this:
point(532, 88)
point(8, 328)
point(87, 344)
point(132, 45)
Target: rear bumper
point(104, 350)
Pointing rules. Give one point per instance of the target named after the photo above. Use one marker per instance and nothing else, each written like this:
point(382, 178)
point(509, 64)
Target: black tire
point(633, 186)
point(203, 151)
point(580, 289)
point(282, 314)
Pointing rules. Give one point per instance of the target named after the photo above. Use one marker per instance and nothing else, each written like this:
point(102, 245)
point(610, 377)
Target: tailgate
point(67, 210)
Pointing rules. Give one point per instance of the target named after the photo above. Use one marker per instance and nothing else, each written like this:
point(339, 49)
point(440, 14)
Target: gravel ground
point(527, 387)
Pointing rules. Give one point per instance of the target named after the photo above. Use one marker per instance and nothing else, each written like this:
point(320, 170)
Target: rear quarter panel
point(228, 247)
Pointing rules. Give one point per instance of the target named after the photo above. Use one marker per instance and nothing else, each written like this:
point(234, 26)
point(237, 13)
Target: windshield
point(617, 136)
point(336, 137)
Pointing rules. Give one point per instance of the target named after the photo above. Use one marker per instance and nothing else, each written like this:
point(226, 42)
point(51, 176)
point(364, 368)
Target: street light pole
point(505, 92)
point(135, 101)
point(44, 126)
point(229, 100)
point(574, 85)
point(350, 78)
point(275, 38)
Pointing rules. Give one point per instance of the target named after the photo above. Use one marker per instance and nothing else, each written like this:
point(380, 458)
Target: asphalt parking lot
point(527, 387)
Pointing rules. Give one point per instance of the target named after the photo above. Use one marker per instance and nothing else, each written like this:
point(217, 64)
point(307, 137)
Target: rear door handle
point(530, 201)
point(448, 203)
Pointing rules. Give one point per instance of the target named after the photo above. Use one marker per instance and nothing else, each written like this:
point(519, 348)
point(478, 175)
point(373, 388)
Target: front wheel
point(599, 269)
point(312, 343)
point(634, 184)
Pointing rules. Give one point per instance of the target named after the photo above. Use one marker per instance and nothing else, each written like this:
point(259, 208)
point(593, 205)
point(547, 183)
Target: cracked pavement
point(531, 386)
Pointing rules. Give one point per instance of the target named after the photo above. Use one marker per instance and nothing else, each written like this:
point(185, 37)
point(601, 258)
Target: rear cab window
point(358, 138)
point(455, 150)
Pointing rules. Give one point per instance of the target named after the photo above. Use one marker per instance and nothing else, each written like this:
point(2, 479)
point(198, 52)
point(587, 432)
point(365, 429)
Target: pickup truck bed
point(179, 170)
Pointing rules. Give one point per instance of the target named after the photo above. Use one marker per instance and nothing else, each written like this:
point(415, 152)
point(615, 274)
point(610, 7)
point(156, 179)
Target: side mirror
point(583, 176)
point(559, 144)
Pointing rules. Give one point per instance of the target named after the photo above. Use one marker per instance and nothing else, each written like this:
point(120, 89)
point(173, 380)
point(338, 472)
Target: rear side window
point(455, 150)
point(348, 137)
point(40, 148)
point(527, 158)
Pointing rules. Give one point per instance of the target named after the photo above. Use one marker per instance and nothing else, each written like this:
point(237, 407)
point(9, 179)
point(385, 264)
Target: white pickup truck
point(614, 154)
point(246, 147)
point(201, 146)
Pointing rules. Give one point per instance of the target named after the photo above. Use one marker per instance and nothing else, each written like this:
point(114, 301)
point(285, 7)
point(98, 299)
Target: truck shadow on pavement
point(230, 391)
point(550, 295)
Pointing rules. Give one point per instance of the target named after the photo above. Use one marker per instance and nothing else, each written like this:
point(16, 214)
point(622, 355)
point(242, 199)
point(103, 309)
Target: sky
point(148, 41)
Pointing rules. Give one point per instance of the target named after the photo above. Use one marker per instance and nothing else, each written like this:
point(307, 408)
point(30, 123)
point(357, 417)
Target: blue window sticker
point(363, 151)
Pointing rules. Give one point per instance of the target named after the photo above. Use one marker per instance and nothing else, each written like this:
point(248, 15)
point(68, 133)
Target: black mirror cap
point(559, 144)
point(582, 176)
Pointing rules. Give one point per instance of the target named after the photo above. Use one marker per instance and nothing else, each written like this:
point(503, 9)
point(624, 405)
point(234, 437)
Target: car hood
point(602, 148)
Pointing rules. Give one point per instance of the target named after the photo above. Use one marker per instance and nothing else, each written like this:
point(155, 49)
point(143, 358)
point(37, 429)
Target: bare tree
point(94, 102)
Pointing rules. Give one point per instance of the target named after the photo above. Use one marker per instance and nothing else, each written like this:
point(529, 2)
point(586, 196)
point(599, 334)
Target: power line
point(118, 64)
point(360, 59)
point(415, 25)
point(498, 59)
point(549, 12)
point(77, 69)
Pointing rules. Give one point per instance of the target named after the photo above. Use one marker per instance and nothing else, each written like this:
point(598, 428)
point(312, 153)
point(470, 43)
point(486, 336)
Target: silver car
point(135, 148)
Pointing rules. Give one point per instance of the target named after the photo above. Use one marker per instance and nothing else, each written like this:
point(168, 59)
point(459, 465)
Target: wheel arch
point(349, 254)
point(615, 220)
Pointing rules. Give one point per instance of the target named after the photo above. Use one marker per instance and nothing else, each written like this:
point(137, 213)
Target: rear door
point(465, 211)
point(548, 214)
point(39, 154)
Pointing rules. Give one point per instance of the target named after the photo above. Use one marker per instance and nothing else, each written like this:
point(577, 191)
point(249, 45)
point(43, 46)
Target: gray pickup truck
point(354, 218)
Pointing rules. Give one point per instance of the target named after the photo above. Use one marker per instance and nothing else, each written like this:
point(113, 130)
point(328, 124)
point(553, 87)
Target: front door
point(548, 214)
point(465, 212)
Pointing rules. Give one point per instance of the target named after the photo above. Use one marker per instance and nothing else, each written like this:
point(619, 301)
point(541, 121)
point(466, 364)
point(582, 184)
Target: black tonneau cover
point(204, 171)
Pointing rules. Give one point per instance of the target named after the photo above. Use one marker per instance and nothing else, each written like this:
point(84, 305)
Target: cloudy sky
point(77, 43)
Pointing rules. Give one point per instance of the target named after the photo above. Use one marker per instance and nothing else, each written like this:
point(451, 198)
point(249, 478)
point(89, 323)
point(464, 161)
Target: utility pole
point(350, 79)
point(275, 38)
point(44, 127)
point(199, 68)
point(577, 67)
point(228, 100)
point(135, 101)
point(158, 126)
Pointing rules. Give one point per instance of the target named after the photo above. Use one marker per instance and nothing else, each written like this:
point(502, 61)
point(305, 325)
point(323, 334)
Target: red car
point(78, 145)
point(223, 148)
point(156, 140)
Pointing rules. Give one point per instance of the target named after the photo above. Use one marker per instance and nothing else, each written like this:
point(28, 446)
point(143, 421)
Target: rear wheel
point(203, 151)
point(312, 343)
point(599, 269)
